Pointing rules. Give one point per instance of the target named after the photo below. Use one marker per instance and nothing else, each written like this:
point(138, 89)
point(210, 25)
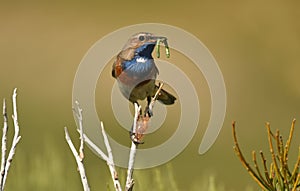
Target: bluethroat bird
point(136, 72)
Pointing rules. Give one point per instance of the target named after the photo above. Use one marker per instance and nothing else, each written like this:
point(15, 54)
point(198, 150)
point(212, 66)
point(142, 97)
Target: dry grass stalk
point(279, 177)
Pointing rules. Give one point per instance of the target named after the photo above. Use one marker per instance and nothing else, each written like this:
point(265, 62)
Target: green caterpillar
point(167, 49)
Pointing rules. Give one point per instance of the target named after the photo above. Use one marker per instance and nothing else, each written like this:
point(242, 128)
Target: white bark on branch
point(78, 155)
point(95, 148)
point(139, 127)
point(78, 161)
point(5, 164)
point(3, 148)
point(110, 161)
point(78, 114)
point(129, 179)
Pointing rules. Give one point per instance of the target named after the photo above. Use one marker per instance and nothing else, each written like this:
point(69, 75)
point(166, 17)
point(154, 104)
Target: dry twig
point(78, 155)
point(79, 161)
point(5, 164)
point(140, 125)
point(129, 179)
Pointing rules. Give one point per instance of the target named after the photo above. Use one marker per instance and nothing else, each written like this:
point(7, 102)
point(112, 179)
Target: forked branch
point(140, 125)
point(6, 162)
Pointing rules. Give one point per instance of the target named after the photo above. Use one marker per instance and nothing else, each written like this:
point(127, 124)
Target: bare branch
point(79, 117)
point(296, 184)
point(110, 161)
point(137, 109)
point(6, 164)
point(78, 113)
point(289, 140)
point(129, 179)
point(3, 149)
point(277, 172)
point(264, 161)
point(279, 177)
point(79, 162)
point(151, 105)
point(94, 147)
point(296, 168)
point(79, 157)
point(4, 139)
point(243, 160)
point(139, 127)
point(261, 179)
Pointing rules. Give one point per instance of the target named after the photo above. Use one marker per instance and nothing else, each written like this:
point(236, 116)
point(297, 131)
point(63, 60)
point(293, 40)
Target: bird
point(136, 72)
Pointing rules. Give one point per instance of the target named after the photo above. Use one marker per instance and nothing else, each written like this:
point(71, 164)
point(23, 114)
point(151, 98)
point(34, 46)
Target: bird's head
point(141, 44)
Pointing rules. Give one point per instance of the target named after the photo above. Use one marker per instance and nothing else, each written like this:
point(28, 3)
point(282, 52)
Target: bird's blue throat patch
point(145, 50)
point(142, 62)
point(138, 66)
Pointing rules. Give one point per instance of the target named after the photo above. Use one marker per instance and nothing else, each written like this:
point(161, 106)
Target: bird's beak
point(156, 38)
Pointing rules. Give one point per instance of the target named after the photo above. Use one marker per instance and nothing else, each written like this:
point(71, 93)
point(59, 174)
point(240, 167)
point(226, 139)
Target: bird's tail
point(165, 97)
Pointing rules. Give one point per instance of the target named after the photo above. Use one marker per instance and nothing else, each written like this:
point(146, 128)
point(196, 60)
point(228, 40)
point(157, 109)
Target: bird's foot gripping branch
point(141, 122)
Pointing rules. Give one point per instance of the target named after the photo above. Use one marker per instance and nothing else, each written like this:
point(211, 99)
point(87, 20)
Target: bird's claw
point(135, 138)
point(148, 111)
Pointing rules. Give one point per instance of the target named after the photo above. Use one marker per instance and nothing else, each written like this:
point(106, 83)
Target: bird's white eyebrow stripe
point(141, 59)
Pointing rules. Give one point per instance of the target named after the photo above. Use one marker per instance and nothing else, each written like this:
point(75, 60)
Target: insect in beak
point(165, 42)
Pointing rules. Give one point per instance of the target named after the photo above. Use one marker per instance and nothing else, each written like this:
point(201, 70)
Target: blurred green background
point(257, 47)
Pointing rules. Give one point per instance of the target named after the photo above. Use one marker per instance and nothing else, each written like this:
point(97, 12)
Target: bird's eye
point(141, 38)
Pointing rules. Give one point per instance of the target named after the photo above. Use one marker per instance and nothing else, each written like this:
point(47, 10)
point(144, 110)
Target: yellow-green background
point(257, 47)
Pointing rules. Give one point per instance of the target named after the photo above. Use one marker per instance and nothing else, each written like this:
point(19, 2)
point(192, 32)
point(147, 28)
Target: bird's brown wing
point(117, 67)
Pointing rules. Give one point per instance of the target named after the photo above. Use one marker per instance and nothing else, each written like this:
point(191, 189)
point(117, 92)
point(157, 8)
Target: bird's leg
point(148, 110)
point(151, 101)
point(135, 102)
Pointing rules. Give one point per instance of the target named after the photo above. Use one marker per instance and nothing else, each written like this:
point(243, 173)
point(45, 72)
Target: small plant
point(279, 177)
